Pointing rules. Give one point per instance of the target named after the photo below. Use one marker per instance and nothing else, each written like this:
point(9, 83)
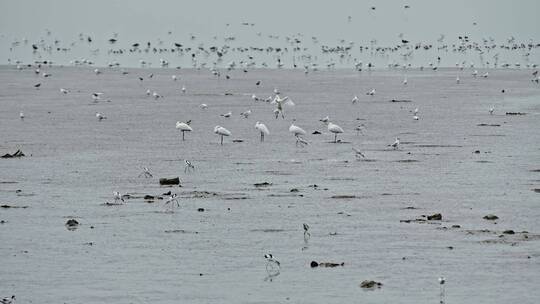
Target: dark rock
point(264, 184)
point(435, 217)
point(169, 181)
point(370, 284)
point(200, 209)
point(491, 217)
point(294, 190)
point(149, 197)
point(314, 264)
point(72, 223)
point(9, 206)
point(316, 133)
point(237, 140)
point(509, 232)
point(400, 100)
point(456, 226)
point(477, 152)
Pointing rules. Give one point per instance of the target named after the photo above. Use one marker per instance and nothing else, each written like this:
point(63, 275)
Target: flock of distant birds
point(215, 55)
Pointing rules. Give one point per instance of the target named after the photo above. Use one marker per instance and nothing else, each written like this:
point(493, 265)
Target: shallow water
point(74, 163)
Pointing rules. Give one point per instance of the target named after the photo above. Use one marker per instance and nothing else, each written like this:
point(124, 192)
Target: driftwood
point(18, 153)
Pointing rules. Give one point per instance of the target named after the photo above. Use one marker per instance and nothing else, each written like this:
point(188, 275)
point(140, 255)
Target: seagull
point(272, 265)
point(245, 113)
point(263, 129)
point(97, 71)
point(355, 99)
point(174, 77)
point(226, 115)
point(96, 96)
point(189, 166)
point(332, 127)
point(486, 74)
point(358, 153)
point(325, 119)
point(65, 91)
point(118, 197)
point(415, 117)
point(156, 95)
point(405, 81)
point(172, 201)
point(415, 111)
point(183, 89)
point(491, 110)
point(372, 92)
point(8, 300)
point(146, 173)
point(100, 116)
point(21, 115)
point(203, 106)
point(148, 92)
point(184, 127)
point(457, 79)
point(221, 131)
point(395, 145)
point(254, 97)
point(475, 73)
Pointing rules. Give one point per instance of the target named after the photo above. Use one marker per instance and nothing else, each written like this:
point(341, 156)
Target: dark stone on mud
point(456, 226)
point(149, 197)
point(400, 100)
point(509, 232)
point(263, 184)
point(314, 264)
point(370, 284)
point(515, 113)
point(488, 125)
point(477, 151)
point(18, 153)
point(491, 217)
point(237, 140)
point(72, 223)
point(435, 217)
point(200, 209)
point(316, 133)
point(9, 206)
point(169, 181)
point(294, 190)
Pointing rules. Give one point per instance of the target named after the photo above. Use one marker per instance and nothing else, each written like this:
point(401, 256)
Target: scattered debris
point(369, 284)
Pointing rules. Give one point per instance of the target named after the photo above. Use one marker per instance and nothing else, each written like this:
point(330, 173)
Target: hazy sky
point(144, 20)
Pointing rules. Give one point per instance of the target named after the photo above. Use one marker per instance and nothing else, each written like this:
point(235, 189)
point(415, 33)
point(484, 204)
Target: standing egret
point(221, 131)
point(355, 99)
point(263, 129)
point(184, 127)
point(332, 127)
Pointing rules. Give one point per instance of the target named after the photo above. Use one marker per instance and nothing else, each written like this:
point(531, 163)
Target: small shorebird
point(395, 145)
point(272, 265)
point(189, 166)
point(146, 173)
point(263, 129)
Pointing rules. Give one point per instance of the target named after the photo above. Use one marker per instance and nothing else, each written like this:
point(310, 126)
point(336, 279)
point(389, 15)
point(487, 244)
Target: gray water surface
point(140, 253)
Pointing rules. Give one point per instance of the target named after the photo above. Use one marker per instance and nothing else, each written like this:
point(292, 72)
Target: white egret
point(333, 128)
point(221, 131)
point(263, 129)
point(184, 127)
